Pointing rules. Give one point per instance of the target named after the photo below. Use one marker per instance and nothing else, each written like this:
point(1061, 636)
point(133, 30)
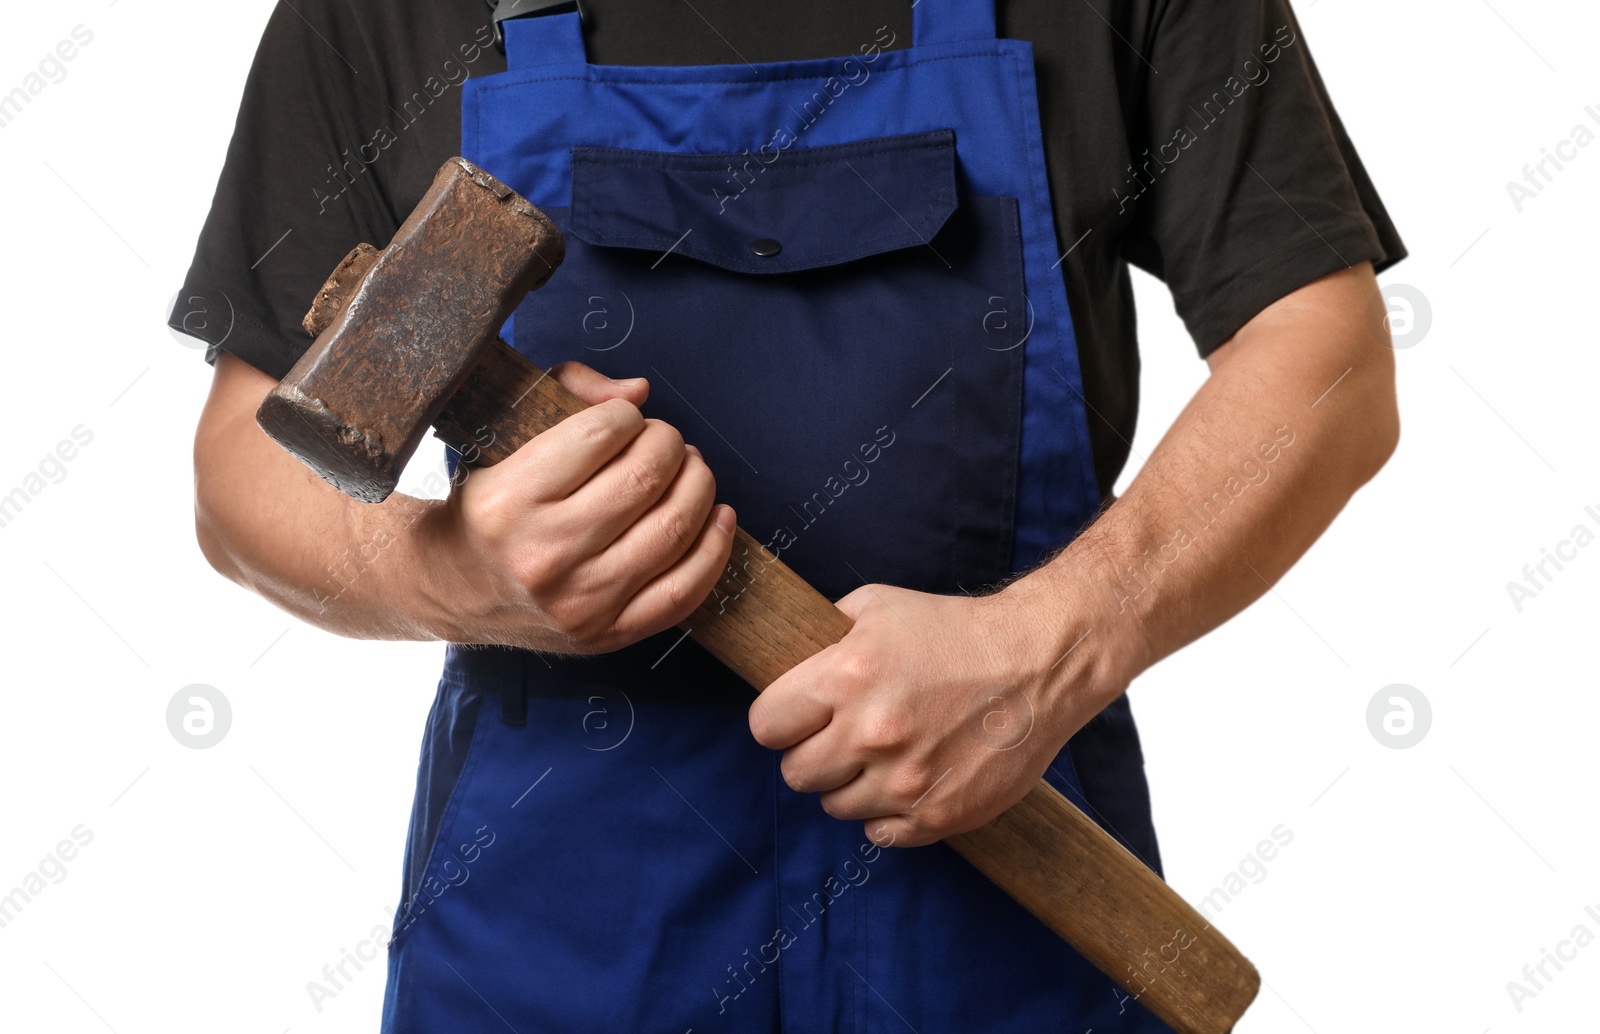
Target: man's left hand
point(931, 717)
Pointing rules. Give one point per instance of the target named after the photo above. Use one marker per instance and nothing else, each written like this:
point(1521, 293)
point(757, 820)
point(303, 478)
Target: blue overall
point(839, 276)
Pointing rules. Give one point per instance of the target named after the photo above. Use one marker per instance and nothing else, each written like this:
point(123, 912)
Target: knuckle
point(906, 783)
point(492, 506)
point(611, 418)
point(623, 410)
point(675, 530)
point(589, 635)
point(794, 775)
point(914, 829)
point(935, 818)
point(679, 602)
point(855, 669)
point(539, 570)
point(699, 472)
point(665, 437)
point(882, 731)
point(580, 619)
point(644, 479)
point(565, 616)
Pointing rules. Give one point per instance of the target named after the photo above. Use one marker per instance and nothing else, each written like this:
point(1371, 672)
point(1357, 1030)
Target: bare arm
point(1298, 413)
point(598, 533)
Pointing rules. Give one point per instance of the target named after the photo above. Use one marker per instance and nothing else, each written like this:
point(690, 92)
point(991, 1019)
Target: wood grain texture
point(763, 619)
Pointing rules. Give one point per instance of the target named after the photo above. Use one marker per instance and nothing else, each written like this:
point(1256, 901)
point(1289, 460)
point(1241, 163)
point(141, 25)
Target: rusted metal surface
point(340, 286)
point(358, 402)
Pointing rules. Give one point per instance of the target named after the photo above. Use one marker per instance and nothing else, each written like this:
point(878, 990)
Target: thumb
point(595, 387)
point(857, 601)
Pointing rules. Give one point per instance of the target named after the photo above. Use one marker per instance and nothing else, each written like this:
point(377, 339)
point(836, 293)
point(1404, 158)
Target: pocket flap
point(773, 212)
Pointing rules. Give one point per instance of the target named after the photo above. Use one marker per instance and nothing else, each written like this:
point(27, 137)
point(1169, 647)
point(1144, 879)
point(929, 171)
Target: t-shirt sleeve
point(293, 197)
point(1244, 184)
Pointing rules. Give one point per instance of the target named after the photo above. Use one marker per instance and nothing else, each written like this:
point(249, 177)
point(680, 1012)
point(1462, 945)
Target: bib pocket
point(770, 212)
point(838, 329)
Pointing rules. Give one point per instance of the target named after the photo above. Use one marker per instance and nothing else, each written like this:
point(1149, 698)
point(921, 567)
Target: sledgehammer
point(406, 338)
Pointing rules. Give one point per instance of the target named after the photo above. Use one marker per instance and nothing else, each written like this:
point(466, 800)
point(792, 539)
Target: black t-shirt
point(1194, 140)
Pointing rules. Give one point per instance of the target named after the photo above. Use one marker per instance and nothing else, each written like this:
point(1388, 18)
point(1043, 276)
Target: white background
point(1419, 881)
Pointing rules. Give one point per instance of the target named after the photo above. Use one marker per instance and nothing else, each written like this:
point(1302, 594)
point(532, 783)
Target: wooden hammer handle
point(763, 619)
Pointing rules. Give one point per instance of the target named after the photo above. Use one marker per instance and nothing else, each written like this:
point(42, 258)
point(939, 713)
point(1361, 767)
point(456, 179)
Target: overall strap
point(534, 40)
point(541, 33)
point(951, 21)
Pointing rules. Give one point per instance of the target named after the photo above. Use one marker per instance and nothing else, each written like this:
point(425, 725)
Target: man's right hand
point(600, 531)
point(596, 534)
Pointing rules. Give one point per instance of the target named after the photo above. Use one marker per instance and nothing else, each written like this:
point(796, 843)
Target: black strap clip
point(514, 705)
point(504, 9)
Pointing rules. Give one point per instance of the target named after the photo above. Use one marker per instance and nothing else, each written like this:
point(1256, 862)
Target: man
point(992, 642)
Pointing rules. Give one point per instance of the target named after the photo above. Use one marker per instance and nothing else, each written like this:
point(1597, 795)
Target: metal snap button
point(766, 247)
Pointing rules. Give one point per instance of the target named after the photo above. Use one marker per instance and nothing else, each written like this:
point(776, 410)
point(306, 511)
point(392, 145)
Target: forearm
point(266, 522)
point(597, 533)
point(1298, 413)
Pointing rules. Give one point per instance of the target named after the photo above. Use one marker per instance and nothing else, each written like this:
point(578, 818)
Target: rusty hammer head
point(398, 331)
